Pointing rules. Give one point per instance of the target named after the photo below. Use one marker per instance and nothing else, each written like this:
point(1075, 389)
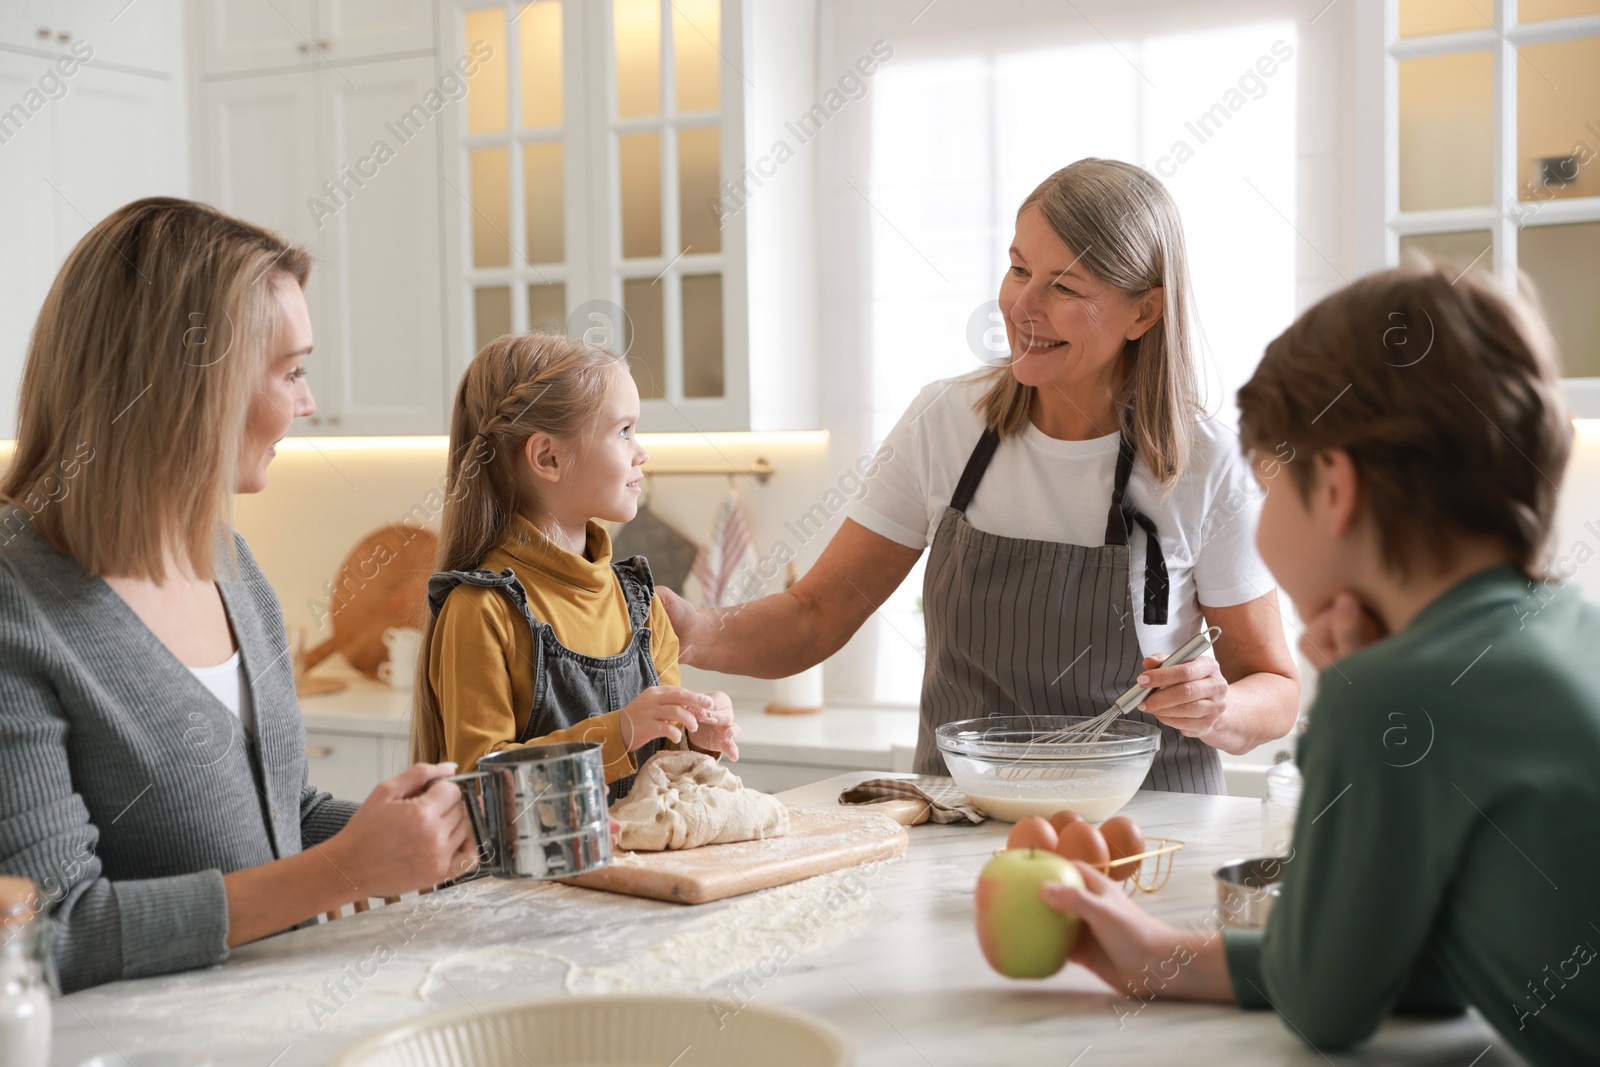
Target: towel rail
point(761, 470)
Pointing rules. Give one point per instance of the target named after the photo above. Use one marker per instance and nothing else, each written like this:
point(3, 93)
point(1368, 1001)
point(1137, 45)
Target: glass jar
point(1279, 807)
point(24, 993)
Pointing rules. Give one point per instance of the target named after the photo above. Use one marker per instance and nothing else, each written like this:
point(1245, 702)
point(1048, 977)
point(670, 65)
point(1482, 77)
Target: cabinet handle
point(333, 420)
point(43, 33)
point(318, 751)
point(324, 45)
point(64, 36)
point(302, 47)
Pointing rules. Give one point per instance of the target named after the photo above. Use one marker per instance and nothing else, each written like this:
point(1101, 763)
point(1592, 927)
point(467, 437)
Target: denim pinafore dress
point(569, 687)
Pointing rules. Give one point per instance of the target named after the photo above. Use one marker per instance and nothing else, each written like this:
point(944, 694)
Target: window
point(1495, 159)
point(959, 139)
point(591, 163)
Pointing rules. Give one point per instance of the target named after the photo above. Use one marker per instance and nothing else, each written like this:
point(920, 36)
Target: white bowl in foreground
point(612, 1031)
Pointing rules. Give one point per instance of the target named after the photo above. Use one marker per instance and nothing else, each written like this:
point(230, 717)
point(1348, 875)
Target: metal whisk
point(1093, 729)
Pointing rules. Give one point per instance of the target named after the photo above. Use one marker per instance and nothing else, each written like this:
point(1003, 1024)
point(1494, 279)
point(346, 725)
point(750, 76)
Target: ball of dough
point(685, 799)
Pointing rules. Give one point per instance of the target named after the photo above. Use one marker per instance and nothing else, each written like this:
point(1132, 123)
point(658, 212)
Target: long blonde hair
point(1124, 228)
point(519, 385)
point(138, 383)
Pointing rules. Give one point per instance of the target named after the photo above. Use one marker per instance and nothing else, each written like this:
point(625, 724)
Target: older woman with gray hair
point(1081, 514)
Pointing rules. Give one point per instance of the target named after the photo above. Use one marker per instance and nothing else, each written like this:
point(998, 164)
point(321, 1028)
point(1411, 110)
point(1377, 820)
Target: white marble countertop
point(846, 738)
point(894, 966)
point(364, 707)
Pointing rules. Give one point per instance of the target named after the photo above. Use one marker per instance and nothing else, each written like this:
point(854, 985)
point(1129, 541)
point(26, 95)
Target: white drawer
point(394, 756)
point(346, 765)
point(776, 777)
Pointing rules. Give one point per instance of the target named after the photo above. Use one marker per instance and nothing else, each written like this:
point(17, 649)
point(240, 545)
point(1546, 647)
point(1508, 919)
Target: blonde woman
point(152, 758)
point(1083, 515)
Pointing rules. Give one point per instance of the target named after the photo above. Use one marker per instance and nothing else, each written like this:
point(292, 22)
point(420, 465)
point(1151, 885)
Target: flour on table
point(685, 799)
point(759, 932)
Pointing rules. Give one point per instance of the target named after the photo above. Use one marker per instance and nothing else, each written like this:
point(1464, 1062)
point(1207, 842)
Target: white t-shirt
point(1043, 489)
point(229, 685)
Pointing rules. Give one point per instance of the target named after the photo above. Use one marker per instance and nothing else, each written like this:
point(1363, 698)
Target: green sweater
point(1447, 847)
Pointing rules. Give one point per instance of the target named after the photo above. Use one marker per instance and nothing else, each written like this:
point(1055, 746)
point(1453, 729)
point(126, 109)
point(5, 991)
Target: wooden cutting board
point(382, 583)
point(819, 840)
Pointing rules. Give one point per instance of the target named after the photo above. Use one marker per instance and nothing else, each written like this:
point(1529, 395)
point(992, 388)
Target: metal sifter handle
point(477, 791)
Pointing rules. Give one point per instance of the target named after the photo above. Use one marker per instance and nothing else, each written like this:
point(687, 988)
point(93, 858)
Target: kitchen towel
point(725, 570)
point(946, 803)
point(670, 553)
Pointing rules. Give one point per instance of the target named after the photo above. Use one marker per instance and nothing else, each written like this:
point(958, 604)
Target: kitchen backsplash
point(324, 494)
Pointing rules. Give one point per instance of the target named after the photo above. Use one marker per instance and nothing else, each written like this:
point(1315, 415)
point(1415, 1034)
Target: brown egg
point(1062, 819)
point(1081, 841)
point(1032, 831)
point(1124, 837)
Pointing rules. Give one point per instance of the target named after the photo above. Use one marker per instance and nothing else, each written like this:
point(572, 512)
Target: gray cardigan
point(126, 789)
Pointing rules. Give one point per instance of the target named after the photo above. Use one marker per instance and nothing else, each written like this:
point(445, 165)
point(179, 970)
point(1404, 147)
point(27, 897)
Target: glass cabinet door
point(592, 185)
point(514, 142)
point(666, 65)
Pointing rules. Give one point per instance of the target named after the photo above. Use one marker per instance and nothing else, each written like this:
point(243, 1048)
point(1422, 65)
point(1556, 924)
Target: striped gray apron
point(1021, 627)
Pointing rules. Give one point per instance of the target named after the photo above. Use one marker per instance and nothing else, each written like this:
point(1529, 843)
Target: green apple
point(1021, 936)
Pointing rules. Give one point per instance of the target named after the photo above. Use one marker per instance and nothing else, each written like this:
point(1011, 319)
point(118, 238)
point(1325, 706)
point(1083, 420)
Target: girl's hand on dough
point(664, 711)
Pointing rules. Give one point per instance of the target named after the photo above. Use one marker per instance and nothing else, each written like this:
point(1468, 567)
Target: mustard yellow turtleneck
point(481, 660)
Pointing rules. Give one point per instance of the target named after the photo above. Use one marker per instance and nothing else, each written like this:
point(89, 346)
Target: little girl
point(536, 636)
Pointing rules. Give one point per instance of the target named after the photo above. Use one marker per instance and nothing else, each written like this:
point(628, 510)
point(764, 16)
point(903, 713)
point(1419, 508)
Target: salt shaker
point(24, 993)
point(1279, 807)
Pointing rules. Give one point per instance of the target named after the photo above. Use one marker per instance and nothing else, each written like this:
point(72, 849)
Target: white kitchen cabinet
point(360, 736)
point(258, 35)
point(343, 764)
point(142, 36)
point(256, 151)
point(394, 756)
point(350, 28)
point(17, 24)
point(298, 152)
point(257, 155)
point(631, 120)
point(343, 758)
point(253, 34)
point(28, 155)
point(382, 330)
point(772, 777)
point(119, 137)
point(99, 138)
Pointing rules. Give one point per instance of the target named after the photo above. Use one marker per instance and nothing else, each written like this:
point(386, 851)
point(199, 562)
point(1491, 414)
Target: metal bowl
point(1004, 767)
point(1247, 890)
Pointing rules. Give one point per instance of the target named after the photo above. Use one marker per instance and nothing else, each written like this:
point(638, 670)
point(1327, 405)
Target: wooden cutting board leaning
point(382, 583)
point(819, 840)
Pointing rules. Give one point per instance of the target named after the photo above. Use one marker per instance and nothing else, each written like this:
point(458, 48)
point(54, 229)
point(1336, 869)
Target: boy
point(1412, 433)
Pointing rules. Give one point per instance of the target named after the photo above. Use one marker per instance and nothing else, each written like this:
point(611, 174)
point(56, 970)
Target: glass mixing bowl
point(1005, 768)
